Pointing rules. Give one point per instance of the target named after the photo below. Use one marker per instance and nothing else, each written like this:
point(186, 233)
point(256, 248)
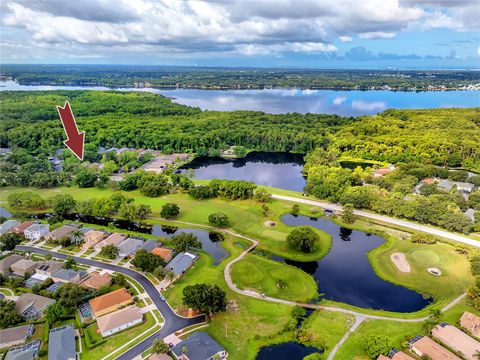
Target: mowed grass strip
point(273, 279)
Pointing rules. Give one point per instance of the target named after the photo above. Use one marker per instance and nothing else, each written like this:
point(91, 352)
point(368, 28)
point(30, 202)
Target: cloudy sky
point(266, 33)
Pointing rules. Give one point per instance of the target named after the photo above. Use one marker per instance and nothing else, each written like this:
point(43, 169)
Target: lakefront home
point(423, 346)
point(471, 323)
point(199, 346)
point(36, 231)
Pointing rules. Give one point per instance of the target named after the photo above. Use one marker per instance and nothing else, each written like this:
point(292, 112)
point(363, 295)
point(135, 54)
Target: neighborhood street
point(173, 322)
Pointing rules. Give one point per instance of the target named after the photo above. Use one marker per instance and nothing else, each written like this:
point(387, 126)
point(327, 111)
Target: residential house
point(15, 336)
point(160, 357)
point(424, 346)
point(119, 320)
point(110, 302)
point(199, 346)
point(48, 268)
point(31, 306)
point(36, 231)
point(446, 185)
point(457, 340)
point(92, 238)
point(114, 239)
point(95, 281)
point(61, 343)
point(471, 323)
point(181, 263)
point(61, 232)
point(465, 187)
point(395, 355)
point(23, 267)
point(21, 228)
point(6, 263)
point(129, 246)
point(164, 253)
point(68, 275)
point(471, 214)
point(24, 352)
point(383, 172)
point(149, 245)
point(8, 225)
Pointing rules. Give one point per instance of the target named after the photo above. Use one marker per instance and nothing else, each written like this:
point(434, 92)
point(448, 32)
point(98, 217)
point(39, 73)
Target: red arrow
point(75, 139)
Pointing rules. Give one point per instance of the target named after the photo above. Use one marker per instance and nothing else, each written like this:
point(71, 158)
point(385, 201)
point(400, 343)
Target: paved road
point(386, 219)
point(173, 322)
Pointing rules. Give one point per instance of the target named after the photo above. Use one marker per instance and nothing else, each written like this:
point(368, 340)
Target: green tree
point(160, 347)
point(53, 313)
point(86, 178)
point(170, 211)
point(69, 296)
point(219, 219)
point(376, 345)
point(9, 240)
point(303, 239)
point(8, 315)
point(185, 241)
point(69, 263)
point(147, 261)
point(295, 209)
point(314, 356)
point(62, 204)
point(208, 299)
point(347, 214)
point(109, 251)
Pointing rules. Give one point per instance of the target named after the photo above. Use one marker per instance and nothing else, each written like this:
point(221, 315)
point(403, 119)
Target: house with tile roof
point(424, 346)
point(457, 340)
point(19, 229)
point(119, 320)
point(110, 302)
point(164, 253)
point(92, 238)
point(471, 323)
point(95, 281)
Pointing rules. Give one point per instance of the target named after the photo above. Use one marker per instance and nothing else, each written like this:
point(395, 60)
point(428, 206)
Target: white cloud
point(377, 35)
point(478, 51)
point(345, 38)
point(339, 100)
point(369, 105)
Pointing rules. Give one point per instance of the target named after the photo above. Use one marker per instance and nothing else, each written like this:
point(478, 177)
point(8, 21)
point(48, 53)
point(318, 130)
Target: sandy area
point(400, 262)
point(270, 223)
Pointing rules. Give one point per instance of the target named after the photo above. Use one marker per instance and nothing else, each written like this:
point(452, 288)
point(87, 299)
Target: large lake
point(280, 170)
point(275, 101)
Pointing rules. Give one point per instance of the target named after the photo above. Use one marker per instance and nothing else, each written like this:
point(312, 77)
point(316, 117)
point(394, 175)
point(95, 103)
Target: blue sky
point(263, 33)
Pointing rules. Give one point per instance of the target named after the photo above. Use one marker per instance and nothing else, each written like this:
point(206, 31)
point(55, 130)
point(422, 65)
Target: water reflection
point(286, 351)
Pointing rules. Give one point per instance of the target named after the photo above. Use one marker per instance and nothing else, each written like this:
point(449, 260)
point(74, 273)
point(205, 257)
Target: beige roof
point(61, 232)
point(6, 263)
point(93, 237)
point(426, 346)
point(457, 340)
point(401, 356)
point(118, 318)
point(95, 281)
point(24, 264)
point(28, 299)
point(471, 322)
point(14, 334)
point(160, 357)
point(383, 357)
point(113, 239)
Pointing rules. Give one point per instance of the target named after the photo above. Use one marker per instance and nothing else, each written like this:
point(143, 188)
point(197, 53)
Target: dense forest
point(236, 78)
point(443, 137)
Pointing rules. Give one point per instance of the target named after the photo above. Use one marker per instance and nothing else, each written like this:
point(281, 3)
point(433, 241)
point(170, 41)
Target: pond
point(5, 213)
point(279, 101)
point(345, 273)
point(280, 170)
point(210, 243)
point(285, 351)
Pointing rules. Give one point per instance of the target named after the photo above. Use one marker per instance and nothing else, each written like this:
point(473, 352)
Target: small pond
point(346, 275)
point(285, 351)
point(5, 213)
point(280, 170)
point(210, 243)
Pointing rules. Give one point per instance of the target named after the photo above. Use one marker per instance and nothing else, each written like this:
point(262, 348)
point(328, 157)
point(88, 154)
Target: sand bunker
point(270, 223)
point(435, 271)
point(400, 262)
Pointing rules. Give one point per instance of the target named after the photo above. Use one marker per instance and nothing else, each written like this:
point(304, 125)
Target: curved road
point(173, 322)
point(387, 219)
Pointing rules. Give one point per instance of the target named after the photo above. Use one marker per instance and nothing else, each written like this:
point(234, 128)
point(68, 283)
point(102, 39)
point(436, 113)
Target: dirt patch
point(400, 262)
point(188, 312)
point(270, 223)
point(435, 271)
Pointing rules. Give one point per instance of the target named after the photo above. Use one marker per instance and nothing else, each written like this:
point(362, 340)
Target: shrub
point(218, 219)
point(376, 345)
point(422, 238)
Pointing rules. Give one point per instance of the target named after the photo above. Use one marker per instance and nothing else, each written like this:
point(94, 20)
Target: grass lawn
point(263, 275)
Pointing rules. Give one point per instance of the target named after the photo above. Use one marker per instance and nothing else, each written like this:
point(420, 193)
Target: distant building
point(457, 340)
point(14, 336)
point(6, 263)
point(160, 163)
point(36, 231)
point(23, 267)
point(114, 239)
point(181, 263)
point(122, 319)
point(61, 343)
point(164, 253)
point(21, 228)
point(24, 352)
point(199, 346)
point(68, 275)
point(8, 225)
point(31, 306)
point(110, 302)
point(129, 246)
point(61, 232)
point(471, 322)
point(95, 281)
point(424, 346)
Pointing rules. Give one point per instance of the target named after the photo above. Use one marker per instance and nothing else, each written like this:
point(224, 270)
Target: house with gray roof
point(129, 246)
point(68, 275)
point(149, 245)
point(8, 225)
point(61, 343)
point(25, 352)
point(14, 336)
point(31, 306)
point(446, 185)
point(36, 231)
point(61, 232)
point(465, 187)
point(6, 263)
point(48, 268)
point(181, 263)
point(199, 346)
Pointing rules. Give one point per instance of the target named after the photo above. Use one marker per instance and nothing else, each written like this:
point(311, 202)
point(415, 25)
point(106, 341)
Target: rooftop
point(109, 300)
point(15, 334)
point(427, 346)
point(37, 227)
point(66, 274)
point(23, 226)
point(181, 263)
point(62, 232)
point(200, 346)
point(6, 263)
point(61, 343)
point(457, 340)
point(118, 318)
point(28, 300)
point(95, 281)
